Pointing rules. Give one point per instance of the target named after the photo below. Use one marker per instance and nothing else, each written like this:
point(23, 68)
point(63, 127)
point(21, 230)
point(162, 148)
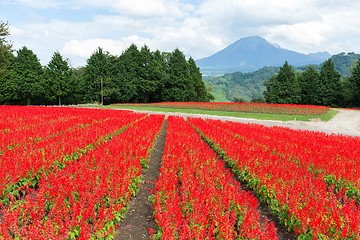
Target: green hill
point(251, 85)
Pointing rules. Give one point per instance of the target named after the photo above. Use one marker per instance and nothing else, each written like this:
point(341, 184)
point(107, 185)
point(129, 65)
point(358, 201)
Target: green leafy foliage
point(240, 85)
point(308, 87)
point(249, 86)
point(97, 68)
point(28, 74)
point(178, 87)
point(309, 81)
point(201, 93)
point(5, 47)
point(351, 87)
point(58, 79)
point(330, 92)
point(136, 76)
point(8, 85)
point(142, 76)
point(284, 87)
point(344, 61)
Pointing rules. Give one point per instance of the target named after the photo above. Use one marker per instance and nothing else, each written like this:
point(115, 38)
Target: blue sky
point(76, 28)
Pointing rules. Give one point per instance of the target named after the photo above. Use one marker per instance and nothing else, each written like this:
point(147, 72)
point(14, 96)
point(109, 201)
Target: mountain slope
point(251, 85)
point(252, 53)
point(240, 85)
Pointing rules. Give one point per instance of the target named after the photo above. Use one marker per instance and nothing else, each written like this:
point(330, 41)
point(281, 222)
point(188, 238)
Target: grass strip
point(261, 116)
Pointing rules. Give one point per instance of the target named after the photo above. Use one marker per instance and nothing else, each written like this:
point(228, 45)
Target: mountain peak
point(251, 53)
point(250, 42)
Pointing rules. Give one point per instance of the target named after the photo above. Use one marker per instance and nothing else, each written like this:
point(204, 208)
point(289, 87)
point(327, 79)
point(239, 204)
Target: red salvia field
point(308, 178)
point(69, 173)
point(195, 198)
point(287, 109)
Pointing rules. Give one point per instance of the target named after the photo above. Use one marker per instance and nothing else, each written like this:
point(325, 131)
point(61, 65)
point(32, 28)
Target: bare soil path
point(346, 122)
point(139, 214)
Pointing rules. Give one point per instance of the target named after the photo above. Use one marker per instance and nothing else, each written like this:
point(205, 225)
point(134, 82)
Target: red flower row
point(22, 164)
point(301, 198)
point(88, 196)
point(335, 157)
point(196, 198)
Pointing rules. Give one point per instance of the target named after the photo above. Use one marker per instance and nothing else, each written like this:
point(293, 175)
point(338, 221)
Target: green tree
point(28, 75)
point(352, 86)
point(201, 94)
point(270, 94)
point(8, 85)
point(150, 76)
point(330, 93)
point(97, 69)
point(284, 87)
point(59, 81)
point(127, 79)
point(344, 61)
point(310, 86)
point(161, 65)
point(5, 47)
point(178, 87)
point(76, 96)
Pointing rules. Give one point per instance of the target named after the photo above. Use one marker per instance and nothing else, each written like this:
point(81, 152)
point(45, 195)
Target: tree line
point(136, 76)
point(313, 87)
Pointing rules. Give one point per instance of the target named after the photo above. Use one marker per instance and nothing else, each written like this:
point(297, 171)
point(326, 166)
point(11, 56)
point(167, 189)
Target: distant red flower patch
point(287, 109)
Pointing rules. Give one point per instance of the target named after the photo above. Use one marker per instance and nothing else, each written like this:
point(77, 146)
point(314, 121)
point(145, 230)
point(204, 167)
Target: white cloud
point(198, 29)
point(143, 8)
point(85, 48)
point(301, 25)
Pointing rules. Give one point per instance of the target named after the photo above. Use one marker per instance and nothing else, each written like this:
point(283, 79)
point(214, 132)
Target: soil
point(139, 216)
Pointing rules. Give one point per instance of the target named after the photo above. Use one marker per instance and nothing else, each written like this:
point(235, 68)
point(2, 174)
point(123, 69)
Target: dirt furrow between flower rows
point(139, 216)
point(263, 208)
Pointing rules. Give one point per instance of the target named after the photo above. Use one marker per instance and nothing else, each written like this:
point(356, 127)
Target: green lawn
point(261, 116)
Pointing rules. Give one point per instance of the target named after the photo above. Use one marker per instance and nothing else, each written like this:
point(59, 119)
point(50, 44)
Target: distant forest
point(136, 76)
point(144, 76)
point(246, 87)
point(313, 87)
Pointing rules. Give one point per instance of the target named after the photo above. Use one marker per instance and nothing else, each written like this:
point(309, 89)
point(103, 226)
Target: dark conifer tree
point(150, 76)
point(310, 86)
point(5, 47)
point(353, 86)
point(127, 78)
point(330, 93)
point(59, 82)
point(201, 95)
point(96, 70)
point(284, 87)
point(28, 75)
point(178, 86)
point(9, 89)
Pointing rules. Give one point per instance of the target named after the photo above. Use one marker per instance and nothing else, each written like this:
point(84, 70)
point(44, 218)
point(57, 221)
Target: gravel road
point(346, 122)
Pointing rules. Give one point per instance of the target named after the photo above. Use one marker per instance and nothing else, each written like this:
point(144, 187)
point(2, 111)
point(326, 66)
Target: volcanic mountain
point(252, 53)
